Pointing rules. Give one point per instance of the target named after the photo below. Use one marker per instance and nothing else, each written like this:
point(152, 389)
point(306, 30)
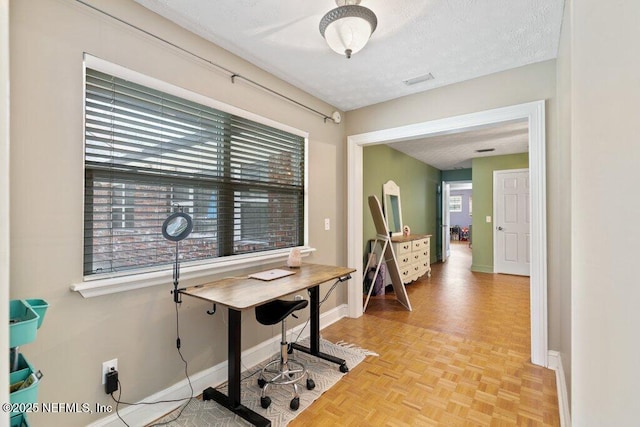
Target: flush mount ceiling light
point(347, 28)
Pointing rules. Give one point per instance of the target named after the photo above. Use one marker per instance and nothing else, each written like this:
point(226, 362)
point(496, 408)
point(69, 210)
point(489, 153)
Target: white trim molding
point(534, 113)
point(112, 285)
point(555, 363)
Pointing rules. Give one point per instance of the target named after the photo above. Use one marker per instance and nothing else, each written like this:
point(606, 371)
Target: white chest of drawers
point(413, 255)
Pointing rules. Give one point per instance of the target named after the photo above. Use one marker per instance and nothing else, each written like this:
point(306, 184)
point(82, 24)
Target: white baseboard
point(555, 363)
point(214, 376)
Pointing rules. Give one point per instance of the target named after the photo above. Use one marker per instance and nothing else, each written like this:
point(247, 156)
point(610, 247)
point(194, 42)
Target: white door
point(446, 220)
point(512, 230)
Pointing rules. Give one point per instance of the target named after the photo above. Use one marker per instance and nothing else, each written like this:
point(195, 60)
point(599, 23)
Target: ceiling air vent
point(419, 79)
point(485, 150)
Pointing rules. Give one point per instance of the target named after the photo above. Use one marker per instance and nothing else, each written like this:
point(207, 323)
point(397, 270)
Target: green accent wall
point(482, 179)
point(418, 184)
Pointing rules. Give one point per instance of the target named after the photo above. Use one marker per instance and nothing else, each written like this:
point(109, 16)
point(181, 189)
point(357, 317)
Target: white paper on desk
point(267, 275)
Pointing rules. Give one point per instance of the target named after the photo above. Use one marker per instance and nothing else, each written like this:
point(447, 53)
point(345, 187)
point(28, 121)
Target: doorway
point(534, 113)
point(457, 208)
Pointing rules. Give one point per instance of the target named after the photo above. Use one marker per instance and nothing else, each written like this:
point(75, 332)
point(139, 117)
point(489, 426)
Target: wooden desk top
point(241, 293)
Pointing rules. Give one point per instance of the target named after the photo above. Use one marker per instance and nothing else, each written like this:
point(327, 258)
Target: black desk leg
point(232, 401)
point(314, 339)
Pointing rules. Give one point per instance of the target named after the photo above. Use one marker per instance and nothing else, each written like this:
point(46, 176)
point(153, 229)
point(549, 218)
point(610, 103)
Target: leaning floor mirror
point(392, 207)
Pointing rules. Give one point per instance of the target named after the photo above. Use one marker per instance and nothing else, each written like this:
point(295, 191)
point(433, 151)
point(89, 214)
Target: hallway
point(461, 357)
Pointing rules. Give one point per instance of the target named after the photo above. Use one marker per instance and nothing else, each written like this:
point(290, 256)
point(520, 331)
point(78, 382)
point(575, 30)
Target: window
point(455, 203)
point(149, 153)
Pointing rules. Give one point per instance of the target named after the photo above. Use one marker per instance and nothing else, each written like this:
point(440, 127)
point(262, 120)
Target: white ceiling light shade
point(348, 27)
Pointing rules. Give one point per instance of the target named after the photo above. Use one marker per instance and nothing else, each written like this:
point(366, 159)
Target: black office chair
point(288, 371)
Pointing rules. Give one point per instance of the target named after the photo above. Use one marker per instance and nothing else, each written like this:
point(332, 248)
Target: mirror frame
point(184, 233)
point(390, 188)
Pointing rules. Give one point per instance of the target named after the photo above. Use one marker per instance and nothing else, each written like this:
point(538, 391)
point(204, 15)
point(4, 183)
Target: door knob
point(499, 228)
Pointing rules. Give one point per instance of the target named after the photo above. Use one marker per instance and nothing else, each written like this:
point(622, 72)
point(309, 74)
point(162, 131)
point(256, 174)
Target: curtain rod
point(233, 75)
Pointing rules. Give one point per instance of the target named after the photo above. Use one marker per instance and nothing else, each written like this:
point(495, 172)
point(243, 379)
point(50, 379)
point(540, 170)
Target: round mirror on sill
point(177, 226)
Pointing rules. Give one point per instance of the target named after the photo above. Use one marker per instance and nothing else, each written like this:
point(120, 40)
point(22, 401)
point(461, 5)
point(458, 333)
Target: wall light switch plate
point(327, 224)
point(488, 219)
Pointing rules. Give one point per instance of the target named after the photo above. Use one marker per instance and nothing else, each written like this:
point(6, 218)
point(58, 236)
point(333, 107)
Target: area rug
point(199, 413)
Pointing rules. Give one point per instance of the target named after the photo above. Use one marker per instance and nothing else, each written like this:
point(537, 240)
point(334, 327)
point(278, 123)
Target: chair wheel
point(310, 384)
point(261, 382)
point(295, 403)
point(344, 368)
point(266, 401)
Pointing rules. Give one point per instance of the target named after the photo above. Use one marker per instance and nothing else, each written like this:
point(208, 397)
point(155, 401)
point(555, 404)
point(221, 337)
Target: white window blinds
point(148, 152)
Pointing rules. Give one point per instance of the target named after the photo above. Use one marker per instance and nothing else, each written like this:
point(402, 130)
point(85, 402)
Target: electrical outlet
point(327, 224)
point(108, 366)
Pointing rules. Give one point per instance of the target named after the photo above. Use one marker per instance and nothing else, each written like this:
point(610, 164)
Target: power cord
point(118, 403)
point(319, 305)
point(186, 373)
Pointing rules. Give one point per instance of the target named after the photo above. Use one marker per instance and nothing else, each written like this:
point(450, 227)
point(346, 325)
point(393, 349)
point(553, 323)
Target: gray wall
point(47, 41)
point(4, 186)
point(604, 110)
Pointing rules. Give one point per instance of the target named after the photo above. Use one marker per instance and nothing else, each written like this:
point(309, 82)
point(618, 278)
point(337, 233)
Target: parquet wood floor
point(460, 358)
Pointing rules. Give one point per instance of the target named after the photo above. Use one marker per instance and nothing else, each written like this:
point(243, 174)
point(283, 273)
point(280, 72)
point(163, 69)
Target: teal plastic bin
point(25, 395)
point(25, 317)
point(19, 420)
point(40, 307)
point(23, 323)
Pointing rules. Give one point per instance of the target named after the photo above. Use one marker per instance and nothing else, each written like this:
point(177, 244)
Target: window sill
point(98, 287)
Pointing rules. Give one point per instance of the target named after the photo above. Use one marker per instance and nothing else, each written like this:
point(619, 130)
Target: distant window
point(455, 203)
point(147, 152)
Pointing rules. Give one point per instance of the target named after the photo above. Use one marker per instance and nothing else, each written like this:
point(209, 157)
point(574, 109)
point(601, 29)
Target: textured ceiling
point(454, 40)
point(455, 150)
